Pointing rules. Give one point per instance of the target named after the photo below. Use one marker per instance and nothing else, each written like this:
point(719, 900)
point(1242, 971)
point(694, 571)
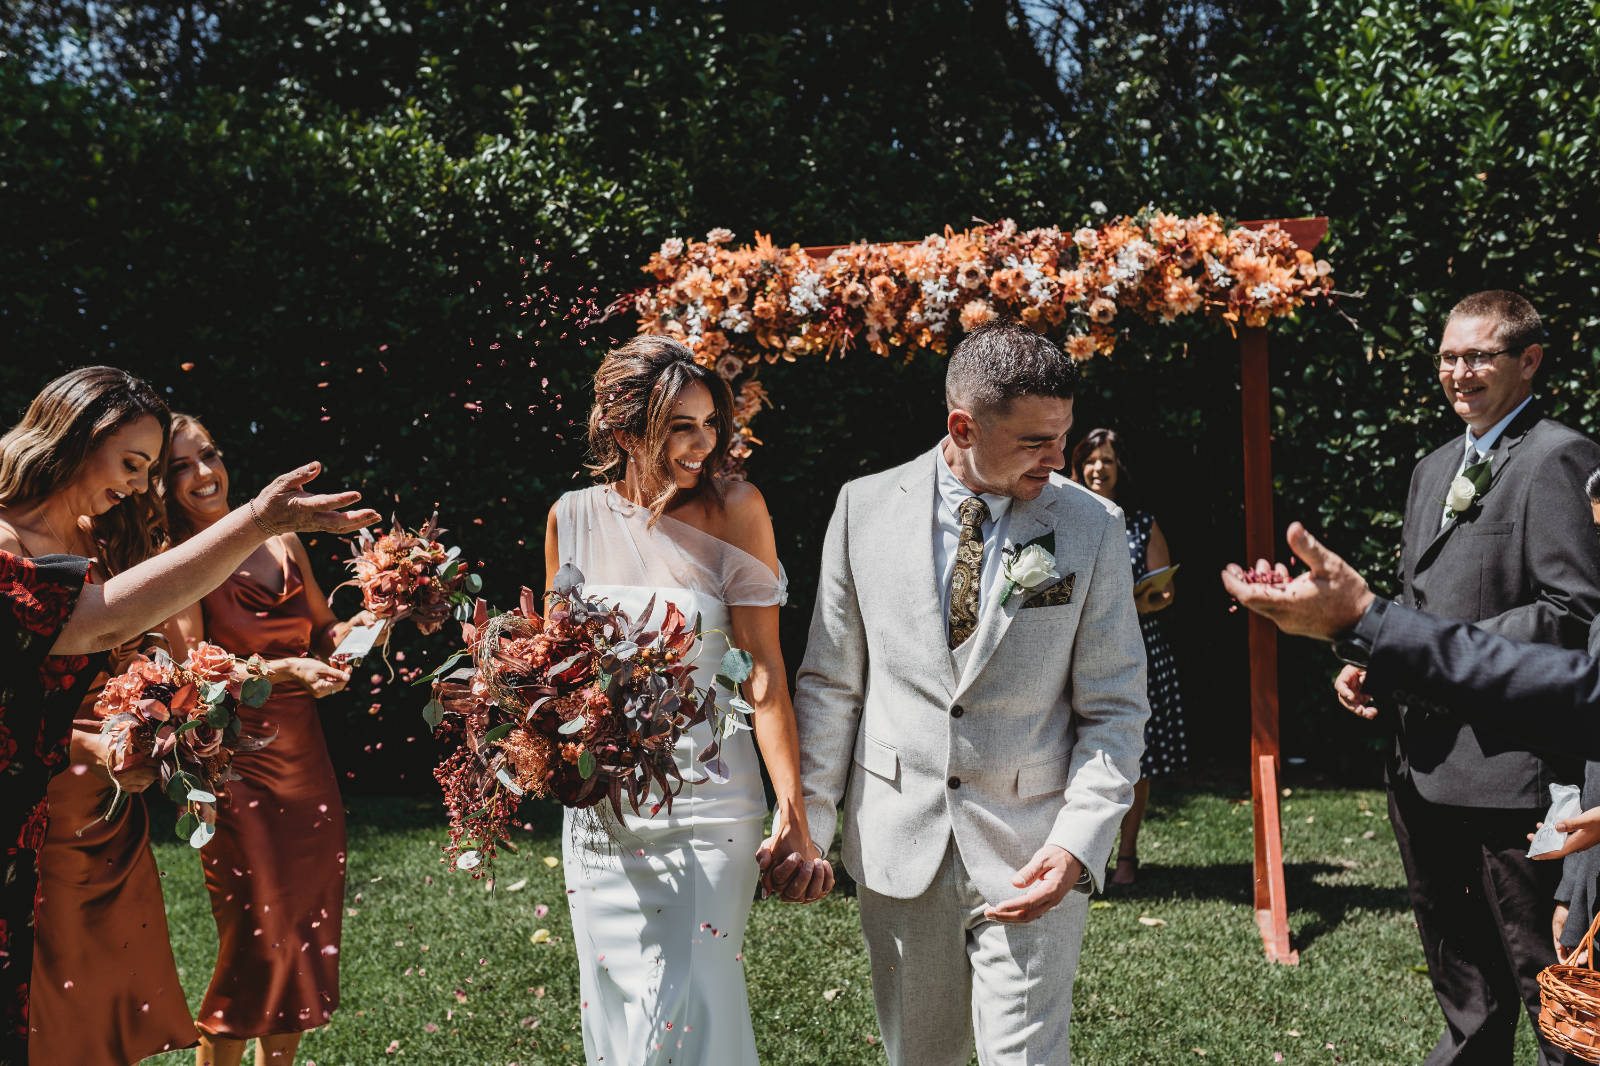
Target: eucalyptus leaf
point(202, 835)
point(586, 764)
point(473, 584)
point(218, 716)
point(433, 714)
point(255, 691)
point(200, 795)
point(497, 733)
point(573, 725)
point(736, 664)
point(187, 825)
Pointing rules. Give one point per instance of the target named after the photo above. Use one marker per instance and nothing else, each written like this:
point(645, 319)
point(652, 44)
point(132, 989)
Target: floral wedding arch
point(737, 308)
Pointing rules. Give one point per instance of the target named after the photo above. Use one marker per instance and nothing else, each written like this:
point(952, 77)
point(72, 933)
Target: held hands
point(792, 866)
point(1329, 598)
point(315, 676)
point(285, 507)
point(1052, 872)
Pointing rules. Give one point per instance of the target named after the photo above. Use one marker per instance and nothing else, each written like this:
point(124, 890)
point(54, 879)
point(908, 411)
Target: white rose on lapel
point(1027, 568)
point(1462, 493)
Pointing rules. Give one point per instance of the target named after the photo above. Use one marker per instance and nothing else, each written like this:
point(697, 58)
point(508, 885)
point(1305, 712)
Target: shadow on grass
point(1317, 898)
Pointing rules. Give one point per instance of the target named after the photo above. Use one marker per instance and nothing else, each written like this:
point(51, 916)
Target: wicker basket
point(1569, 1002)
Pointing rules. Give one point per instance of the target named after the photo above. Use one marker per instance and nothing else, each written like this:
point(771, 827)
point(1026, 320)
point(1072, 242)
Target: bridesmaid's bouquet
point(581, 705)
point(406, 574)
point(185, 717)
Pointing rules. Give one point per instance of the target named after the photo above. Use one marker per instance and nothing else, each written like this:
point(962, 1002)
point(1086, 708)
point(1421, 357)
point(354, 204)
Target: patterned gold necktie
point(968, 576)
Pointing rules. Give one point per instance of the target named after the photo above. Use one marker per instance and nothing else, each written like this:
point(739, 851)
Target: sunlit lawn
point(438, 971)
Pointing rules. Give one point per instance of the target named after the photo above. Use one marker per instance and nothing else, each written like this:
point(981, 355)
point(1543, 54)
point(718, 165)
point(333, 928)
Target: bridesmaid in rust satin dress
point(276, 867)
point(102, 947)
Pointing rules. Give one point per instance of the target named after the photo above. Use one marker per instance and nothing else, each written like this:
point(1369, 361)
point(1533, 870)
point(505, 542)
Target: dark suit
point(1543, 698)
point(1523, 562)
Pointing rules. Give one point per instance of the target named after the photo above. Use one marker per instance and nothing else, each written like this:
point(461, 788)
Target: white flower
point(1097, 206)
point(671, 248)
point(719, 235)
point(1462, 493)
point(1028, 569)
point(1086, 238)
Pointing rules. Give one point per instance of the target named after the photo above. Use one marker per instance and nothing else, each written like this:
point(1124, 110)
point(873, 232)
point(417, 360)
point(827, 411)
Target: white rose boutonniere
point(1461, 494)
point(1468, 487)
point(1028, 567)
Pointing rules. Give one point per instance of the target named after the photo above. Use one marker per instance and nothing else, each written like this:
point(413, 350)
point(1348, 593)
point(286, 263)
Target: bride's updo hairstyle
point(635, 390)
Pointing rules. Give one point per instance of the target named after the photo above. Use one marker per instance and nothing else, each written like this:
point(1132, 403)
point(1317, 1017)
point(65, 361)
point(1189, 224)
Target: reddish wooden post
point(1272, 908)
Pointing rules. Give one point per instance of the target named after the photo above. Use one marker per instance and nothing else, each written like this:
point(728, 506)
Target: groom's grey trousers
point(937, 961)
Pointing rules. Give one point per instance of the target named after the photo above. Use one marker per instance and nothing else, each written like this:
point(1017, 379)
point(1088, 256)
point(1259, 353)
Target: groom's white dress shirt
point(947, 532)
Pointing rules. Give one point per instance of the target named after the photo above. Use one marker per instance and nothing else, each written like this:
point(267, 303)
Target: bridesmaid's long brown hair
point(635, 390)
point(65, 423)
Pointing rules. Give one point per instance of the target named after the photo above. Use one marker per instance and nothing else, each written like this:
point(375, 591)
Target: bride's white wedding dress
point(659, 906)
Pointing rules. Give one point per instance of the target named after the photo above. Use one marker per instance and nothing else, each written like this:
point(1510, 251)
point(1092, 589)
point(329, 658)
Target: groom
point(974, 693)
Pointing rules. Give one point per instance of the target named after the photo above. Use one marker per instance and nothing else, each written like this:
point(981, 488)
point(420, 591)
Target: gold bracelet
point(260, 524)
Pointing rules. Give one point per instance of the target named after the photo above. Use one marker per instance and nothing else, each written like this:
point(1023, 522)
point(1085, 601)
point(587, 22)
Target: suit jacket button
point(1422, 601)
point(957, 711)
point(954, 782)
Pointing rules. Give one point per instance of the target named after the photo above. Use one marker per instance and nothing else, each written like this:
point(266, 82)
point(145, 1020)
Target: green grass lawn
point(446, 973)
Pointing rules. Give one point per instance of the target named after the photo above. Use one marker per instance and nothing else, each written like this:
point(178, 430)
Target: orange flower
point(855, 294)
point(883, 287)
point(1250, 268)
point(1006, 284)
point(1080, 346)
point(970, 276)
point(975, 313)
point(1102, 310)
point(210, 662)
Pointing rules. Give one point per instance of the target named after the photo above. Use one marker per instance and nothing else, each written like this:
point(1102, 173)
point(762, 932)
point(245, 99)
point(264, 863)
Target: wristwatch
point(1353, 646)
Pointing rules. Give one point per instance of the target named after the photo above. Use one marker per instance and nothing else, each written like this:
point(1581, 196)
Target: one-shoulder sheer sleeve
point(614, 542)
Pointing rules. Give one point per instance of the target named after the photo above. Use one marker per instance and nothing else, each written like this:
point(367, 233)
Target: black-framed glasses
point(1475, 361)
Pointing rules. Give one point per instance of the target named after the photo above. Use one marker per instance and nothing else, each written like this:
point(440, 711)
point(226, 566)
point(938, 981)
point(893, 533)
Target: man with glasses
point(1497, 532)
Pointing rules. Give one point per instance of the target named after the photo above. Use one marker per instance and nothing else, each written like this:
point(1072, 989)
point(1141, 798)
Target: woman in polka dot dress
point(1097, 464)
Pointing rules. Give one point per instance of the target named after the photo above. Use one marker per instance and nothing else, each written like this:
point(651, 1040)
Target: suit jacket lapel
point(913, 510)
point(1029, 519)
point(1499, 457)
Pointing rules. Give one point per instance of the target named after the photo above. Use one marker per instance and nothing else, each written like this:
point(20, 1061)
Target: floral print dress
point(39, 693)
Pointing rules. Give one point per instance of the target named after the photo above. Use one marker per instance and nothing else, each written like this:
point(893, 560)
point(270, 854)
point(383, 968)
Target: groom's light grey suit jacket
point(1037, 741)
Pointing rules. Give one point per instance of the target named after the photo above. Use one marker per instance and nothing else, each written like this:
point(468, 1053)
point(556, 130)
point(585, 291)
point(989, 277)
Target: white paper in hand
point(358, 643)
point(1564, 803)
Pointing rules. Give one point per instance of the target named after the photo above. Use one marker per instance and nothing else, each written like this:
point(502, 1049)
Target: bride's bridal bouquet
point(409, 574)
point(184, 717)
point(581, 705)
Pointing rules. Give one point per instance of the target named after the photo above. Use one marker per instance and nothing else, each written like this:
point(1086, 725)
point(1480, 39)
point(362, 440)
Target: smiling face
point(690, 437)
point(197, 482)
point(1100, 471)
point(1483, 397)
point(1014, 452)
point(118, 467)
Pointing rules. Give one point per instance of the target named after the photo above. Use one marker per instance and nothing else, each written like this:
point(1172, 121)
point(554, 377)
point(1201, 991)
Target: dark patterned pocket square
point(1054, 596)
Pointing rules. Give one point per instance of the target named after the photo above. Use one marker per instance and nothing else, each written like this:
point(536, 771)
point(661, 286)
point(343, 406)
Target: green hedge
point(338, 218)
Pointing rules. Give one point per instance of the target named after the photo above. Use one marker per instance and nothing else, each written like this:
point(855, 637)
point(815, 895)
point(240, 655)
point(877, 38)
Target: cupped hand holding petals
point(315, 676)
point(1048, 877)
point(285, 507)
point(1328, 598)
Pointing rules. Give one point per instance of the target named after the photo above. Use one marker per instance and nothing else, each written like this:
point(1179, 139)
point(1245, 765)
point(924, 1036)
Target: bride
point(658, 915)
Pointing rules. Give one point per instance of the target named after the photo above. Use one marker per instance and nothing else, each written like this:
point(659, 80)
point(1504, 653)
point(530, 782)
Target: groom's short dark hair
point(1001, 361)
